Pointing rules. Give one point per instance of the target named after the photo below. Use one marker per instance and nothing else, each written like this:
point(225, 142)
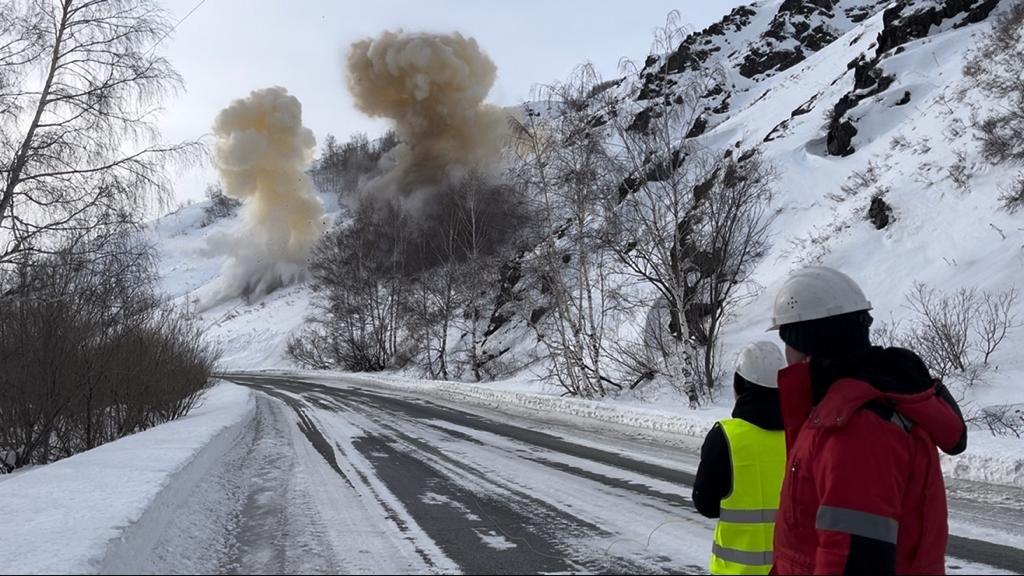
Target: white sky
point(229, 47)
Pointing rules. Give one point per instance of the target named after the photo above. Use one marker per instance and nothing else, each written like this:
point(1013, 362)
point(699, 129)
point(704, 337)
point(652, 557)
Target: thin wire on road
point(608, 550)
point(497, 525)
point(523, 539)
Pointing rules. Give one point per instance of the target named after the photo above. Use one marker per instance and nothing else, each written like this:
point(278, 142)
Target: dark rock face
point(655, 86)
point(798, 29)
point(511, 273)
point(805, 107)
point(778, 131)
point(840, 138)
point(842, 130)
point(858, 14)
point(654, 171)
point(696, 49)
point(904, 22)
point(807, 22)
point(759, 62)
point(698, 128)
point(694, 54)
point(905, 99)
point(868, 79)
point(722, 107)
point(879, 213)
point(642, 121)
point(537, 314)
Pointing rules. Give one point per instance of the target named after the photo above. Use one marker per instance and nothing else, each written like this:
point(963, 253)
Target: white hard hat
point(760, 363)
point(816, 292)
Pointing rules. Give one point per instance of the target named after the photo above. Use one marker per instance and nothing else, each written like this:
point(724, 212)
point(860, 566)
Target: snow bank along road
point(347, 478)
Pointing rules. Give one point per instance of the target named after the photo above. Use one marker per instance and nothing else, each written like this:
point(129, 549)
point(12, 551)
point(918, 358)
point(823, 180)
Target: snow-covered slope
point(913, 135)
point(857, 102)
point(249, 334)
point(880, 115)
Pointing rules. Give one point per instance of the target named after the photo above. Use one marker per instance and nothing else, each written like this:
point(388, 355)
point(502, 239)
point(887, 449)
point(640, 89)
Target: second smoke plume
point(433, 87)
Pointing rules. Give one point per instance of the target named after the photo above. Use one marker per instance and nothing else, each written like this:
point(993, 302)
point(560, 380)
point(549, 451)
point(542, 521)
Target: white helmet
point(760, 363)
point(816, 292)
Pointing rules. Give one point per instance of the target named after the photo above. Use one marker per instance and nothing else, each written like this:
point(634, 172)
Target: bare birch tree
point(688, 220)
point(80, 87)
point(562, 161)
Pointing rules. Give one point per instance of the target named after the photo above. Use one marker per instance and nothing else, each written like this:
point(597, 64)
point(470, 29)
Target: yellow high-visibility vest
point(746, 527)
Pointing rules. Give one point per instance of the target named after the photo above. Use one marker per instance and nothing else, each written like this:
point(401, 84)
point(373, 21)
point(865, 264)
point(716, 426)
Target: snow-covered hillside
point(861, 105)
point(249, 334)
point(879, 120)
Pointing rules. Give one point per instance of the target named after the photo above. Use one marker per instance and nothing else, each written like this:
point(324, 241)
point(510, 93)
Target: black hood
point(895, 371)
point(757, 404)
point(890, 370)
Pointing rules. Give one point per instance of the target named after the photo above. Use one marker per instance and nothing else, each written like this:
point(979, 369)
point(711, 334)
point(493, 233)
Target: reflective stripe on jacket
point(744, 534)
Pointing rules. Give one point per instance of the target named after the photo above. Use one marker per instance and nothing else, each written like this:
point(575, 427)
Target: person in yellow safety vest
point(742, 465)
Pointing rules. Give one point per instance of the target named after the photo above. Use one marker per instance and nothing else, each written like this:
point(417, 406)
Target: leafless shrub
point(637, 362)
point(900, 143)
point(955, 334)
point(1013, 194)
point(927, 173)
point(955, 129)
point(995, 67)
point(1000, 419)
point(888, 334)
point(221, 206)
point(315, 347)
point(89, 354)
point(860, 180)
point(959, 172)
point(811, 248)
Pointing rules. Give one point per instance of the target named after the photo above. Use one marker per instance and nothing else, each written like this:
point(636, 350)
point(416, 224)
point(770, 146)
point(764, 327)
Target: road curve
point(479, 495)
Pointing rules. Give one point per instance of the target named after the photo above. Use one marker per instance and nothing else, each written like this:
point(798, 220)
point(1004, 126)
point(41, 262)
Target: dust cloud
point(432, 86)
point(262, 152)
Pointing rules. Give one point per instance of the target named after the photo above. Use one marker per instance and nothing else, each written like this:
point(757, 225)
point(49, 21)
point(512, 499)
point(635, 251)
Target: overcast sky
point(229, 47)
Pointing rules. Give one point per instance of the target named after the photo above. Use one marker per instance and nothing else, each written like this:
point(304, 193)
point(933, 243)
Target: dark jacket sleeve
point(943, 394)
point(714, 474)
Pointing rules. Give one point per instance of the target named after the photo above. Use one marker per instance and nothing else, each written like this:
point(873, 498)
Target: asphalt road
point(489, 496)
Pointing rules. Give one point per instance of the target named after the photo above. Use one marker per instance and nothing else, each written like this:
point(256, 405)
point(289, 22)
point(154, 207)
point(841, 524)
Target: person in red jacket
point(863, 492)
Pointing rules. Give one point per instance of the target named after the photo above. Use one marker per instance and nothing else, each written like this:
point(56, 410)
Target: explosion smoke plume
point(433, 87)
point(261, 153)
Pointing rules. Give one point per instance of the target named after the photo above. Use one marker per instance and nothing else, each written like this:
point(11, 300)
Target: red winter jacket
point(863, 491)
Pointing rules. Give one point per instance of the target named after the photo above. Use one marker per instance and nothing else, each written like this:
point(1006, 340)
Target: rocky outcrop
point(797, 29)
point(879, 213)
point(905, 21)
point(807, 22)
point(908, 20)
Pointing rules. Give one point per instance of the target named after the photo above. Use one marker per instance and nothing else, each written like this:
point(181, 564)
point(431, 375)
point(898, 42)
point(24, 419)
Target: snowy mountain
point(751, 44)
point(866, 113)
point(863, 108)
